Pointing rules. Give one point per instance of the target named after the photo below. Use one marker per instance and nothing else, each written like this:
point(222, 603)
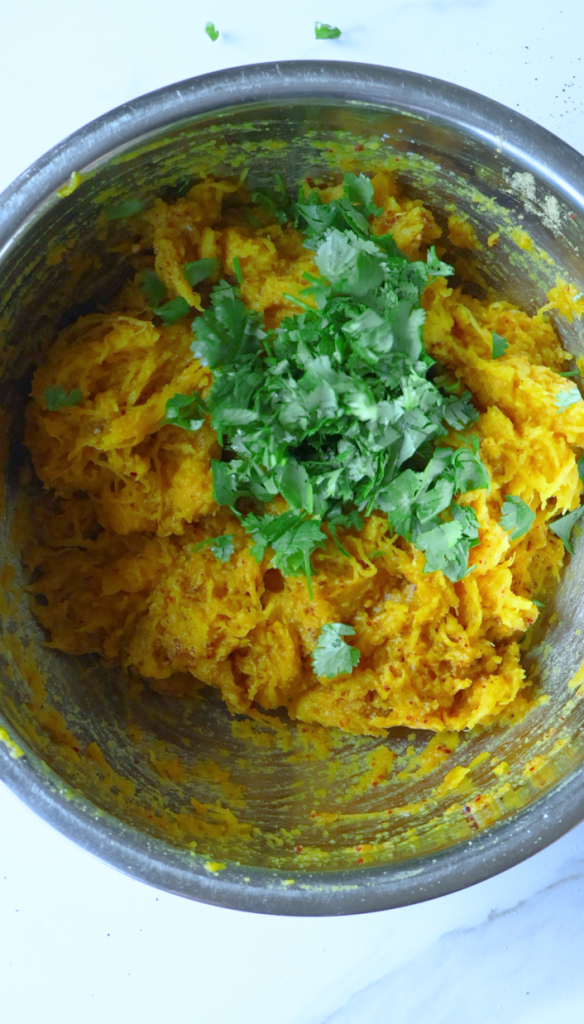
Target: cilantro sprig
point(186, 411)
point(222, 547)
point(335, 409)
point(516, 517)
point(56, 398)
point(500, 345)
point(324, 31)
point(564, 399)
point(563, 526)
point(332, 656)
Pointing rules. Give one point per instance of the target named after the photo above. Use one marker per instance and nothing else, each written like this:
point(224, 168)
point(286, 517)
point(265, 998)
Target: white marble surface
point(79, 941)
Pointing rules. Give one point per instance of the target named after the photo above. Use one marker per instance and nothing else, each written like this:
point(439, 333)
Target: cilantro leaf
point(500, 346)
point(564, 399)
point(580, 465)
point(564, 525)
point(237, 269)
point(118, 211)
point(222, 547)
point(212, 32)
point(199, 270)
point(56, 397)
point(470, 472)
point(172, 311)
point(323, 31)
point(187, 411)
point(154, 289)
point(359, 191)
point(332, 656)
point(516, 517)
point(227, 331)
point(225, 490)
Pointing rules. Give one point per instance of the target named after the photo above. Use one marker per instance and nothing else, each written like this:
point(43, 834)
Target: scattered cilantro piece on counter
point(334, 409)
point(323, 31)
point(563, 527)
point(564, 399)
point(332, 656)
point(212, 32)
point(56, 398)
point(154, 289)
point(128, 209)
point(199, 270)
point(516, 517)
point(500, 345)
point(222, 547)
point(187, 411)
point(172, 311)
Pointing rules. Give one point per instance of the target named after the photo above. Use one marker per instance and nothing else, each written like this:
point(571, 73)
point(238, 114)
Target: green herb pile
point(334, 409)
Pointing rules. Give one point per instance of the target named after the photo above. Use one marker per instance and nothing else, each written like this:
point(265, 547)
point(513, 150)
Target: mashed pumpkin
point(116, 550)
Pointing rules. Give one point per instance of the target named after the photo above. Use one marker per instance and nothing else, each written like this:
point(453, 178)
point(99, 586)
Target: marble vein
point(514, 968)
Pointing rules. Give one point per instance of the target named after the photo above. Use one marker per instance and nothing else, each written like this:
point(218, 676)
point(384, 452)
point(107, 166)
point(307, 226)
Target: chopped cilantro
point(500, 345)
point(154, 289)
point(199, 270)
point(237, 269)
point(187, 411)
point(563, 527)
point(172, 311)
point(516, 517)
point(538, 604)
point(570, 373)
point(56, 398)
point(332, 655)
point(581, 468)
point(128, 209)
point(333, 409)
point(292, 536)
point(222, 547)
point(212, 32)
point(224, 485)
point(322, 31)
point(564, 399)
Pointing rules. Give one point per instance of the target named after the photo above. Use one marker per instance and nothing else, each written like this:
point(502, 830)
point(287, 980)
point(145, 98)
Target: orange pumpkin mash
point(129, 500)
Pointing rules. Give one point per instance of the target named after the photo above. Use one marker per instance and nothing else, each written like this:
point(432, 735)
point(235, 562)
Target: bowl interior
point(183, 774)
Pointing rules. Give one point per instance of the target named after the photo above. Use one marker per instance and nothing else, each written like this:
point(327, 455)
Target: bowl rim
point(266, 890)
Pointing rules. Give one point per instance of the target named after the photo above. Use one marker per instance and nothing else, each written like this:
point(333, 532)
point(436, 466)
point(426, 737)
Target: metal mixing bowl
point(313, 835)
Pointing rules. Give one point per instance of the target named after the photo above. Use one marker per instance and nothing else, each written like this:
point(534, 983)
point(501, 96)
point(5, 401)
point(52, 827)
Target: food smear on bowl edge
point(154, 544)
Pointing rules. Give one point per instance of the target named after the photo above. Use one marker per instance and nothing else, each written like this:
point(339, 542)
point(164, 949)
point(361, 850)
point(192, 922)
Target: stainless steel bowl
point(74, 745)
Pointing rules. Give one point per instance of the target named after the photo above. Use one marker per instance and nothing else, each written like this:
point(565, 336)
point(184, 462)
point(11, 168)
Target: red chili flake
point(477, 798)
point(298, 849)
point(572, 217)
point(358, 849)
point(374, 783)
point(358, 148)
point(359, 860)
